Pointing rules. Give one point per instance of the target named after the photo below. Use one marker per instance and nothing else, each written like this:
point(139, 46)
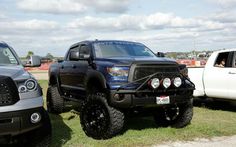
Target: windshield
point(6, 56)
point(121, 49)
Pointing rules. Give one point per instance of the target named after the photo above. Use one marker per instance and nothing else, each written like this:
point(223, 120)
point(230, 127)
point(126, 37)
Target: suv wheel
point(185, 115)
point(55, 103)
point(176, 117)
point(98, 119)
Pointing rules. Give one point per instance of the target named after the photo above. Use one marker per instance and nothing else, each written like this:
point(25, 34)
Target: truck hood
point(15, 72)
point(129, 60)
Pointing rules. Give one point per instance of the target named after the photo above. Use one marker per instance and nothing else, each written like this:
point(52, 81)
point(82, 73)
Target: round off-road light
point(155, 83)
point(166, 82)
point(177, 82)
point(35, 117)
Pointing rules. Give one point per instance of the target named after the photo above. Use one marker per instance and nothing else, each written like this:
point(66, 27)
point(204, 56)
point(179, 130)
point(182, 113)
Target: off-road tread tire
point(185, 116)
point(56, 101)
point(116, 118)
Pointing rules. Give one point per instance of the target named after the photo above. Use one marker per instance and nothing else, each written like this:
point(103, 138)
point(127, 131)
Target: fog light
point(177, 82)
point(166, 82)
point(22, 89)
point(35, 118)
point(155, 83)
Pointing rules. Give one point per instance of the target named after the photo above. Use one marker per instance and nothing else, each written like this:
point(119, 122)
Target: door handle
point(73, 66)
point(232, 73)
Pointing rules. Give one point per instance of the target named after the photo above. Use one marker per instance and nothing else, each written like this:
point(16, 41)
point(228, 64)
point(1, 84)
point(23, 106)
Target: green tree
point(49, 56)
point(30, 53)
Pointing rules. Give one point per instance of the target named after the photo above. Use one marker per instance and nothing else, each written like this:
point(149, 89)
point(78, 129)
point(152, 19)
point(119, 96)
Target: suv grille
point(8, 91)
point(141, 71)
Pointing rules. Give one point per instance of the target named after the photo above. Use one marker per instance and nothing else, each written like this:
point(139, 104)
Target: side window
point(7, 57)
point(234, 60)
point(222, 60)
point(84, 51)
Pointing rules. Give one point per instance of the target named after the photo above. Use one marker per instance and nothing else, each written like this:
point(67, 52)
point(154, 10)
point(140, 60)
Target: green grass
point(206, 123)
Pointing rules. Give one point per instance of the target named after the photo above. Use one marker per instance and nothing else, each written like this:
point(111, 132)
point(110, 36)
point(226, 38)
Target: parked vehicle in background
point(115, 78)
point(218, 78)
point(23, 119)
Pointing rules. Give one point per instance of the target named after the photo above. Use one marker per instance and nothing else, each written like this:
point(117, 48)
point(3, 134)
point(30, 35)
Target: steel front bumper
point(18, 122)
point(131, 98)
point(127, 97)
point(15, 119)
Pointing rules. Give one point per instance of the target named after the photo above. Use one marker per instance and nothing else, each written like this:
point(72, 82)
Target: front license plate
point(163, 100)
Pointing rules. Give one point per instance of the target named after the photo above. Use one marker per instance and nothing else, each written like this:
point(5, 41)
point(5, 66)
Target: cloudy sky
point(51, 26)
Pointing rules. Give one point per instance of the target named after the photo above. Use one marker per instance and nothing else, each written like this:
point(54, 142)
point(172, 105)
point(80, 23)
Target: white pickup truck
point(216, 80)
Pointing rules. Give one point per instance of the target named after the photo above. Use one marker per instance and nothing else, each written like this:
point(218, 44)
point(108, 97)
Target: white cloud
point(225, 3)
point(32, 25)
point(2, 16)
point(157, 21)
point(74, 6)
point(52, 6)
point(113, 6)
point(222, 16)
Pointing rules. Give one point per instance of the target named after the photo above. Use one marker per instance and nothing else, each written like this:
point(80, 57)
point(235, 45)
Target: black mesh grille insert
point(8, 91)
point(141, 71)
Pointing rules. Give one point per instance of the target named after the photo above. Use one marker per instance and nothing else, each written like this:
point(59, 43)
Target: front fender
point(95, 76)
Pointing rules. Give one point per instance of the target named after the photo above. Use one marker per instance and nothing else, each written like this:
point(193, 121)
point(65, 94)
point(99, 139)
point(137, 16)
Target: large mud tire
point(55, 103)
point(99, 120)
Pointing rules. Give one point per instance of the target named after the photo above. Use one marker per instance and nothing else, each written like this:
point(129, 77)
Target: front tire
point(175, 116)
point(99, 120)
point(185, 116)
point(55, 103)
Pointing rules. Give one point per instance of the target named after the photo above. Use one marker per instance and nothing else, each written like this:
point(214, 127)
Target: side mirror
point(74, 55)
point(34, 61)
point(160, 54)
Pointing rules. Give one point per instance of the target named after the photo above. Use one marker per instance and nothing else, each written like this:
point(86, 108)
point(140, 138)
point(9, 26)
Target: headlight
point(31, 84)
point(166, 82)
point(118, 71)
point(28, 85)
point(177, 82)
point(155, 83)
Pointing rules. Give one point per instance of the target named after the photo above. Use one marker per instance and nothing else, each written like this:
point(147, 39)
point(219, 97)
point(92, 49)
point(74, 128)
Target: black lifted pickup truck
point(115, 78)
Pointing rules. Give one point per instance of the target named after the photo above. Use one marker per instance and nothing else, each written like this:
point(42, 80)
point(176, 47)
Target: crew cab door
point(216, 79)
point(75, 69)
point(231, 86)
point(66, 72)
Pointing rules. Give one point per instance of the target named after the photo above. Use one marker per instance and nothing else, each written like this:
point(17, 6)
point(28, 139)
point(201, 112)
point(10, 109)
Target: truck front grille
point(141, 71)
point(8, 91)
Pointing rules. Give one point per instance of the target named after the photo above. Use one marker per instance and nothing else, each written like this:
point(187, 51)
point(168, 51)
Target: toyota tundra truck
point(23, 120)
point(115, 78)
point(217, 79)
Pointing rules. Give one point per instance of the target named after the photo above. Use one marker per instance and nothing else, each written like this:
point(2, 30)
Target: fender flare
point(98, 76)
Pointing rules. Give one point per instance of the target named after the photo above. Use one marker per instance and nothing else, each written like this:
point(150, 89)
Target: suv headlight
point(28, 85)
point(118, 71)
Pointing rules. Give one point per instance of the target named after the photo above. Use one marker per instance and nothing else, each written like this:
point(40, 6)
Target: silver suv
point(23, 120)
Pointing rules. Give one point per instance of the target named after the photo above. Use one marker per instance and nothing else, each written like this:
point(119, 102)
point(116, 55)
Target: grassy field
point(206, 123)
